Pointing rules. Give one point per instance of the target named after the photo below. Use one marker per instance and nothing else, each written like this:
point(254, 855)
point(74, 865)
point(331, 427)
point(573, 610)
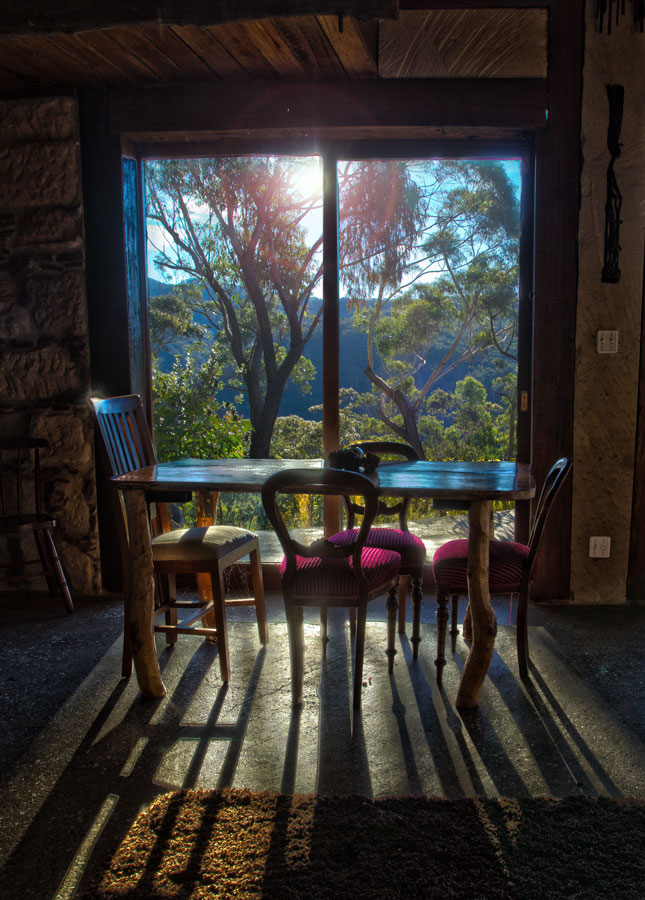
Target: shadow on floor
point(82, 753)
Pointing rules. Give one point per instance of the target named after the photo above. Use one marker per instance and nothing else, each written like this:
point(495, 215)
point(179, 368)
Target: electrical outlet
point(599, 546)
point(607, 341)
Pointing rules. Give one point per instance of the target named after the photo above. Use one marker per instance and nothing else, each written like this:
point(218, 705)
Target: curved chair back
point(552, 484)
point(319, 481)
point(348, 575)
point(388, 449)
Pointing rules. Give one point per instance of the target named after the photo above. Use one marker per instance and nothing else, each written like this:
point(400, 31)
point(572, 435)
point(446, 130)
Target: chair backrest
point(552, 484)
point(383, 449)
point(126, 444)
point(20, 477)
point(126, 436)
point(336, 482)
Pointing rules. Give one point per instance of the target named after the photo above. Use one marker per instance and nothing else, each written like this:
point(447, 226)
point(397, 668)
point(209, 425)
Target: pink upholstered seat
point(334, 578)
point(511, 570)
point(506, 563)
point(326, 574)
point(410, 548)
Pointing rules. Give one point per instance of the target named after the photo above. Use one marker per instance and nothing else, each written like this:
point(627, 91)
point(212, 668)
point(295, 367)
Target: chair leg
point(258, 595)
point(352, 620)
point(522, 634)
point(168, 592)
point(454, 619)
point(390, 609)
point(45, 562)
point(467, 627)
point(50, 548)
point(403, 589)
point(295, 628)
point(205, 591)
point(359, 651)
point(442, 621)
point(219, 609)
point(323, 632)
point(417, 597)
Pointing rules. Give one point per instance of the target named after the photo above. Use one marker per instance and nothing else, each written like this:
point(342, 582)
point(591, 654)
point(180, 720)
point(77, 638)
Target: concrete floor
point(81, 753)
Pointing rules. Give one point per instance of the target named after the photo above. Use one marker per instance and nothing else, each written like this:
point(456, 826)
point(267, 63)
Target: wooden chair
point(21, 513)
point(411, 548)
point(511, 569)
point(324, 574)
point(205, 551)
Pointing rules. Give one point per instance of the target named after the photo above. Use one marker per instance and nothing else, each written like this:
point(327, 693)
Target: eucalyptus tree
point(455, 297)
point(244, 231)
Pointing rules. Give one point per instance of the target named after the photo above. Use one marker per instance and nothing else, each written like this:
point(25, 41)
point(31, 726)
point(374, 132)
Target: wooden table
point(478, 483)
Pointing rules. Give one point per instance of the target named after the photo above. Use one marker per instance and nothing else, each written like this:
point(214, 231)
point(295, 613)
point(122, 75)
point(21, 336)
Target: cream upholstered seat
point(204, 551)
point(200, 543)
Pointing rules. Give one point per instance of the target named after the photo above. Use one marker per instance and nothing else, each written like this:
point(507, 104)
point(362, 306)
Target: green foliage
point(296, 438)
point(189, 420)
point(170, 319)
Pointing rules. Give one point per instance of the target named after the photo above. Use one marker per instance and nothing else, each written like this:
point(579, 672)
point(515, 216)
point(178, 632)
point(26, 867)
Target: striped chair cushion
point(450, 564)
point(411, 548)
point(333, 578)
point(205, 543)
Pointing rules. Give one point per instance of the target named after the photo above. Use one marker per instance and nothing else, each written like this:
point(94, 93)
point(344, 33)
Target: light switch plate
point(607, 341)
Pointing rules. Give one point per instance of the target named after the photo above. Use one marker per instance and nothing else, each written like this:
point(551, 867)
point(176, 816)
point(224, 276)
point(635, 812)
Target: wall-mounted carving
point(611, 10)
point(611, 270)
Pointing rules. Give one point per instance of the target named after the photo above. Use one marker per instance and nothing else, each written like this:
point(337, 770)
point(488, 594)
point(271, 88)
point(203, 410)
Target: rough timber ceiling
point(92, 43)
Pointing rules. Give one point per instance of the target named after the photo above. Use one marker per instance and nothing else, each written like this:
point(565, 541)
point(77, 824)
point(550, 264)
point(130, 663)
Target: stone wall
point(606, 388)
point(44, 352)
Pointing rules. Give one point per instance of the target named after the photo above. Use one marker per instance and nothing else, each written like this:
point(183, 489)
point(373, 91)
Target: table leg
point(483, 616)
point(140, 604)
point(206, 503)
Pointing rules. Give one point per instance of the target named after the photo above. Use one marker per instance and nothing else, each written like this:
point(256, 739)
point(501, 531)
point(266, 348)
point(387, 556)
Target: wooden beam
point(30, 17)
point(503, 102)
point(557, 181)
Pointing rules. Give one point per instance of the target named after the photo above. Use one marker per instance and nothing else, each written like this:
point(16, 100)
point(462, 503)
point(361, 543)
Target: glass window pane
point(234, 254)
point(429, 305)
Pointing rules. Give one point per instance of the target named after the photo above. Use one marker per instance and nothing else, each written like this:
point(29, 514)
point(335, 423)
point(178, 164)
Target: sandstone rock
point(38, 175)
point(70, 436)
point(16, 323)
point(43, 372)
point(58, 227)
point(45, 118)
point(58, 304)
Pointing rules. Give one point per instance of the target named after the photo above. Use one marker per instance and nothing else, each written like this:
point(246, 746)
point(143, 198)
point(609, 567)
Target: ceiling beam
point(31, 17)
point(383, 103)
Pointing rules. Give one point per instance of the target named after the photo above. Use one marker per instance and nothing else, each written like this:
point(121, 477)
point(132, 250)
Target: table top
point(453, 480)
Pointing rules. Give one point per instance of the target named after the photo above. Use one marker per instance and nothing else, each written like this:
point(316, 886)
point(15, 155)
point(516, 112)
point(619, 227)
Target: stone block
point(8, 287)
point(58, 304)
point(81, 566)
point(59, 229)
point(43, 373)
point(37, 175)
point(42, 119)
point(16, 323)
point(64, 499)
point(70, 437)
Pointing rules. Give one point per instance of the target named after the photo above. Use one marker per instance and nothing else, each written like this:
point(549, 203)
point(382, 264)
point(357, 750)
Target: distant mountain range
point(353, 361)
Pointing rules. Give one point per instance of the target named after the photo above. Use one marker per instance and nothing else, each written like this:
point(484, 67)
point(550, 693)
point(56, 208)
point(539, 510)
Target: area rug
point(236, 844)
